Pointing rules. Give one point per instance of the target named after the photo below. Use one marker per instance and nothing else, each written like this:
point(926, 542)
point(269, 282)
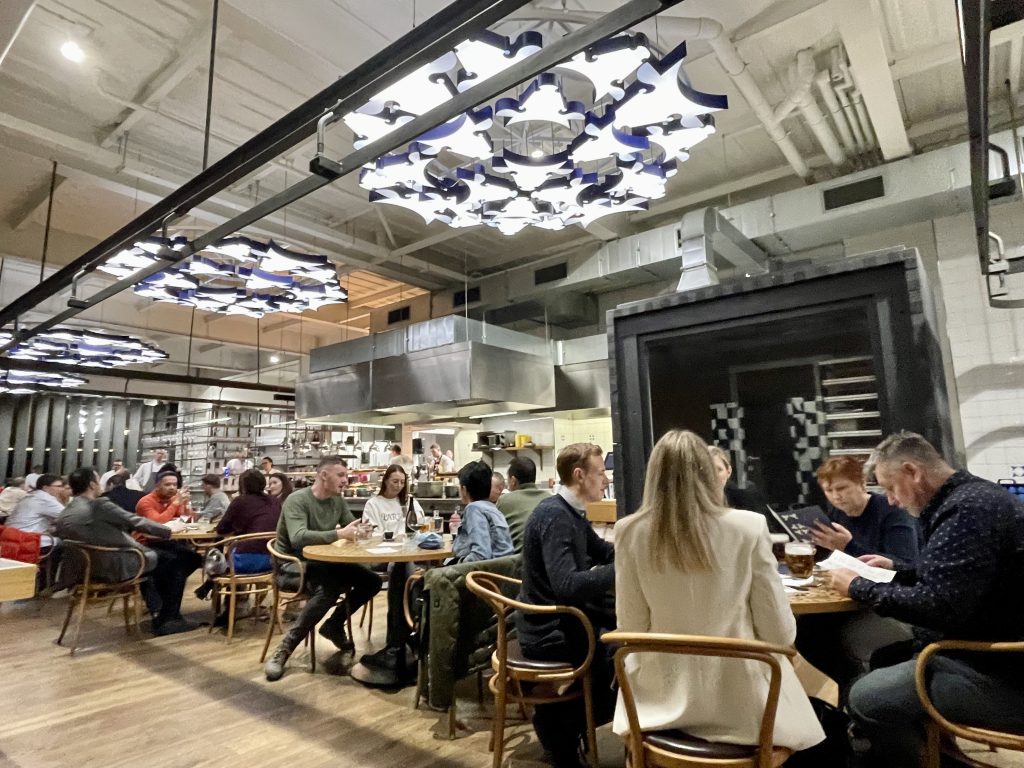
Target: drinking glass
point(389, 525)
point(800, 558)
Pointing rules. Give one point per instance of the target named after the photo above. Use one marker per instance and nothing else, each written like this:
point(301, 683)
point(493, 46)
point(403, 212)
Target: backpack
point(215, 564)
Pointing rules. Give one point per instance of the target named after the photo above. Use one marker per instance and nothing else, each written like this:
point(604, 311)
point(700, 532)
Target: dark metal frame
point(912, 389)
point(425, 43)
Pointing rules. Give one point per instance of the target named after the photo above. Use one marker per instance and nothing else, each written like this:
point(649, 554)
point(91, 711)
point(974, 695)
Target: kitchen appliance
point(508, 438)
point(451, 491)
point(428, 489)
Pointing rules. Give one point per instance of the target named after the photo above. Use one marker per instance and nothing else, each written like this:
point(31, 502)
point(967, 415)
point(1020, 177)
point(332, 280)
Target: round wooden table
point(376, 550)
point(820, 599)
point(201, 533)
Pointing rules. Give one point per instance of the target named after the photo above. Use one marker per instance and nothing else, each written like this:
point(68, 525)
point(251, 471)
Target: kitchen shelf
point(848, 380)
point(850, 451)
point(857, 398)
point(850, 415)
point(537, 449)
point(856, 433)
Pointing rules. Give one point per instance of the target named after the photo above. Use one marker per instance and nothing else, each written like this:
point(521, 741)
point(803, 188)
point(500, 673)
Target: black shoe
point(274, 668)
point(386, 658)
point(336, 632)
point(173, 627)
point(221, 620)
point(203, 590)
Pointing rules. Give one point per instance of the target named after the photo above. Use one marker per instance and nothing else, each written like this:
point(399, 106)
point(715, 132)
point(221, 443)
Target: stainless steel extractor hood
point(450, 367)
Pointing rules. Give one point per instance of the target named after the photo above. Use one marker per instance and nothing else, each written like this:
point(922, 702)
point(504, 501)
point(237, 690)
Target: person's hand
point(878, 561)
point(348, 532)
point(836, 537)
point(176, 526)
point(841, 578)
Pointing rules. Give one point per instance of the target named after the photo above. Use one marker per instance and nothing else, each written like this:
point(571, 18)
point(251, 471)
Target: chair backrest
point(488, 587)
point(231, 543)
point(88, 551)
point(978, 734)
point(697, 645)
point(277, 560)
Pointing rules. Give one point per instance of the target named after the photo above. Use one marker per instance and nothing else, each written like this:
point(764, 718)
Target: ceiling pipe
point(853, 104)
point(802, 99)
point(824, 82)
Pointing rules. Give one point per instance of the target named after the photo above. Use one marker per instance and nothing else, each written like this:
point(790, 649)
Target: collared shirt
point(37, 513)
point(574, 501)
point(967, 582)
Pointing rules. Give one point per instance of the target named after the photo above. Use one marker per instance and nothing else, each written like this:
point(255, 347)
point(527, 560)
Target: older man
point(523, 497)
point(319, 515)
point(92, 519)
point(566, 563)
point(965, 586)
point(497, 487)
point(145, 474)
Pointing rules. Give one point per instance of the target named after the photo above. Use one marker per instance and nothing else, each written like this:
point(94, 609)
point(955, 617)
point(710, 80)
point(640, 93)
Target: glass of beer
point(424, 526)
point(800, 558)
point(779, 541)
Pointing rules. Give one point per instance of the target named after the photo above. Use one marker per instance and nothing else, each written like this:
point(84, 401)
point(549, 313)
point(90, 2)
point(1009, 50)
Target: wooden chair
point(232, 584)
point(282, 598)
point(89, 591)
point(675, 748)
point(939, 726)
point(520, 680)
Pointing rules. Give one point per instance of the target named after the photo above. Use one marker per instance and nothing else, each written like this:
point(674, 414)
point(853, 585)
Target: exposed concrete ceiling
point(125, 127)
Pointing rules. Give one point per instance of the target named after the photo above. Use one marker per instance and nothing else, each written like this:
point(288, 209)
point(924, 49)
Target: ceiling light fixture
point(549, 168)
point(234, 276)
point(72, 51)
point(14, 382)
point(84, 348)
point(275, 358)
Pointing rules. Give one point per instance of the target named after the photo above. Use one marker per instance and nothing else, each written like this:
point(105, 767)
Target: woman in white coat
point(685, 564)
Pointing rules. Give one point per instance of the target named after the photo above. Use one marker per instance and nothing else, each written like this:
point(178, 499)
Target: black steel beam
point(34, 366)
point(434, 37)
point(611, 23)
point(975, 28)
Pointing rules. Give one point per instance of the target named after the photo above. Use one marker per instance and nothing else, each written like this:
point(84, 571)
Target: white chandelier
point(14, 382)
point(234, 276)
point(574, 164)
point(83, 348)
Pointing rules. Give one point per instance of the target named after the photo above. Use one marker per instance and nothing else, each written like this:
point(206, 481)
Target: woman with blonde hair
point(686, 564)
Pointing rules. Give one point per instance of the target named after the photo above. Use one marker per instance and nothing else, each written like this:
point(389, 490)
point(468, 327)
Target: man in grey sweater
point(319, 515)
point(523, 498)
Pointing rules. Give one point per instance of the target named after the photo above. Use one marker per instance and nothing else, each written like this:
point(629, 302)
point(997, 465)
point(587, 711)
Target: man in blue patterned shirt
point(967, 585)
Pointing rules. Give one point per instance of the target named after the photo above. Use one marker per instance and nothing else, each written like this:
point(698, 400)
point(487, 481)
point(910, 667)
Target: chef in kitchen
point(441, 463)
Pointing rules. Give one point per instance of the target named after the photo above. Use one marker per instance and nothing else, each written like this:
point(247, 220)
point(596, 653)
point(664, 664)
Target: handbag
point(215, 564)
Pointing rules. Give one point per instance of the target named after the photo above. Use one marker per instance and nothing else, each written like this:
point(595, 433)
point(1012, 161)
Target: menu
point(870, 572)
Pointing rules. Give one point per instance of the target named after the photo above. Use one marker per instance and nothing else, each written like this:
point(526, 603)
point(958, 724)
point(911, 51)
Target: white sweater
point(378, 509)
point(742, 597)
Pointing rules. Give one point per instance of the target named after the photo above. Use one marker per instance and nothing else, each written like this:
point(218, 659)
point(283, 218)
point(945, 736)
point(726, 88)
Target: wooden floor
point(192, 700)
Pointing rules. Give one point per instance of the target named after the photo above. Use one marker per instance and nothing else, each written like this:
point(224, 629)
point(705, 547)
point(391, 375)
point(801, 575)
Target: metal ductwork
point(451, 367)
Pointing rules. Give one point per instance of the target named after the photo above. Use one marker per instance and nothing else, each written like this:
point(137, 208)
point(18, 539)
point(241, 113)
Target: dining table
point(819, 598)
point(196, 533)
point(377, 550)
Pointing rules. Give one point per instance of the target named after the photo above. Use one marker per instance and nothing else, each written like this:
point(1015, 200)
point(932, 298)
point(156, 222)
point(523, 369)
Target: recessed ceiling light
point(275, 358)
point(72, 51)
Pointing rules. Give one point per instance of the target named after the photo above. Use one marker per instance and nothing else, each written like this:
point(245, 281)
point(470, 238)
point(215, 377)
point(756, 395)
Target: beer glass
point(800, 558)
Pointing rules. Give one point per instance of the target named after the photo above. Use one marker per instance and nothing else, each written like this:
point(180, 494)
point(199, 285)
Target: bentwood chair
point(676, 748)
point(90, 591)
point(283, 597)
point(519, 680)
point(939, 727)
point(233, 585)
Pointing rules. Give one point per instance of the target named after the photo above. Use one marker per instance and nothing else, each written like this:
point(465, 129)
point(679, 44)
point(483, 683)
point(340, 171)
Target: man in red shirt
point(177, 559)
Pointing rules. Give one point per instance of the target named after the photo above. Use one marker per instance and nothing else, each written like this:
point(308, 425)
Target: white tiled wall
point(987, 344)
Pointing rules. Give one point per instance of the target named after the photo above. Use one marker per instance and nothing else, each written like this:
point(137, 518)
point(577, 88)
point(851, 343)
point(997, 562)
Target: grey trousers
point(884, 704)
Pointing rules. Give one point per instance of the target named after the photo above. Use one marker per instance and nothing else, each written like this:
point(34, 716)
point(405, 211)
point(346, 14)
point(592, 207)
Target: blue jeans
point(251, 562)
point(884, 704)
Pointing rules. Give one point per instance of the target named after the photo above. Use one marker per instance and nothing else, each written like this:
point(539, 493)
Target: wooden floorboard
point(193, 700)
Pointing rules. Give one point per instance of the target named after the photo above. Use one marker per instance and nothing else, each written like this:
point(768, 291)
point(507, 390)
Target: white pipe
point(805, 102)
point(865, 121)
point(842, 84)
point(734, 66)
point(824, 83)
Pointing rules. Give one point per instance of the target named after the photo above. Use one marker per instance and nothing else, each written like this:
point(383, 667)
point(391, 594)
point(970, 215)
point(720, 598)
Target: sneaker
point(385, 658)
point(336, 632)
point(174, 627)
point(274, 668)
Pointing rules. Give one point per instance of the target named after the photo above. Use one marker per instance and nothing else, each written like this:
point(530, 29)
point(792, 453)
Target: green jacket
point(459, 628)
point(517, 507)
point(306, 520)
